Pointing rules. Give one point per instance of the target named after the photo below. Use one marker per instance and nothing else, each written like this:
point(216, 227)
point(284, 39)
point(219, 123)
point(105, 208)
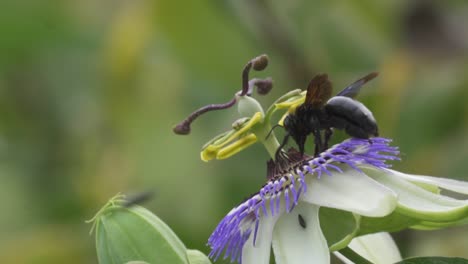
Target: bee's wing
point(353, 89)
point(318, 91)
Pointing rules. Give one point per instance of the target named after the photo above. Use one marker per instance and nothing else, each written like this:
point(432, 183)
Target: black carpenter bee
point(320, 113)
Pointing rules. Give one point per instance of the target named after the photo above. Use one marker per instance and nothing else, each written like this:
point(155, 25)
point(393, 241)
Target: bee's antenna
point(271, 130)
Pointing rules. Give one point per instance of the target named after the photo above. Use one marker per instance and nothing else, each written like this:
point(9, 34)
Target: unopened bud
point(126, 234)
point(197, 257)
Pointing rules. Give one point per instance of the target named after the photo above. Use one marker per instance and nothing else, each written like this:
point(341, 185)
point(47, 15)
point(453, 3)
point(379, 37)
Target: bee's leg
point(328, 134)
point(279, 151)
point(316, 151)
point(318, 142)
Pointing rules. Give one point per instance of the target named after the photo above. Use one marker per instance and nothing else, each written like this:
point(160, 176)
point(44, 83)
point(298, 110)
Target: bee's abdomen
point(352, 116)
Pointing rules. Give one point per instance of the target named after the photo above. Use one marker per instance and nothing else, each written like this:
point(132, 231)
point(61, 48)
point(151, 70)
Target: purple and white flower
point(351, 176)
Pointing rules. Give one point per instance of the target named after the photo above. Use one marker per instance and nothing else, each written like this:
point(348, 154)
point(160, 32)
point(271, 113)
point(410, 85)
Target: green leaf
point(427, 225)
point(433, 260)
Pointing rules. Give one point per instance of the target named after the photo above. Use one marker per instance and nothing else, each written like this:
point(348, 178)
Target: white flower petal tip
point(378, 248)
point(287, 187)
point(447, 184)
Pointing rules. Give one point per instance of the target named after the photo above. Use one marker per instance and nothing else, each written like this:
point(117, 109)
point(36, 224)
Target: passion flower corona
point(243, 229)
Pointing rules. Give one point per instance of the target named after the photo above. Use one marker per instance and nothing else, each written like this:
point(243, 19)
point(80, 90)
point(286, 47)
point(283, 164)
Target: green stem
point(271, 143)
point(353, 256)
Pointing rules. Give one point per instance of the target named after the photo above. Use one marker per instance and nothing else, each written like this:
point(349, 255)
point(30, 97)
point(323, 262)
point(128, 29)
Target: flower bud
point(133, 234)
point(197, 257)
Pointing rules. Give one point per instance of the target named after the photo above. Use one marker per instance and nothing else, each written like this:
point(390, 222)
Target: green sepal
point(420, 206)
point(391, 223)
point(419, 203)
point(427, 225)
point(340, 227)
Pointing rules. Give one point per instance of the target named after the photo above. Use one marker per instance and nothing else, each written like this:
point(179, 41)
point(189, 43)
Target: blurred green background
point(90, 91)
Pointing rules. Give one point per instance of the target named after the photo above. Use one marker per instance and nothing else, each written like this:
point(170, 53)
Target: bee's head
point(288, 123)
point(294, 130)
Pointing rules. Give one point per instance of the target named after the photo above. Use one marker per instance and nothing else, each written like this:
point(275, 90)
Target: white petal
point(351, 191)
point(295, 244)
point(448, 184)
point(260, 252)
point(418, 202)
point(341, 257)
point(378, 248)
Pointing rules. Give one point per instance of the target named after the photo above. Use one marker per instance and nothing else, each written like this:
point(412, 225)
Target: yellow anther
point(257, 117)
point(209, 153)
point(232, 142)
point(236, 147)
point(292, 102)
